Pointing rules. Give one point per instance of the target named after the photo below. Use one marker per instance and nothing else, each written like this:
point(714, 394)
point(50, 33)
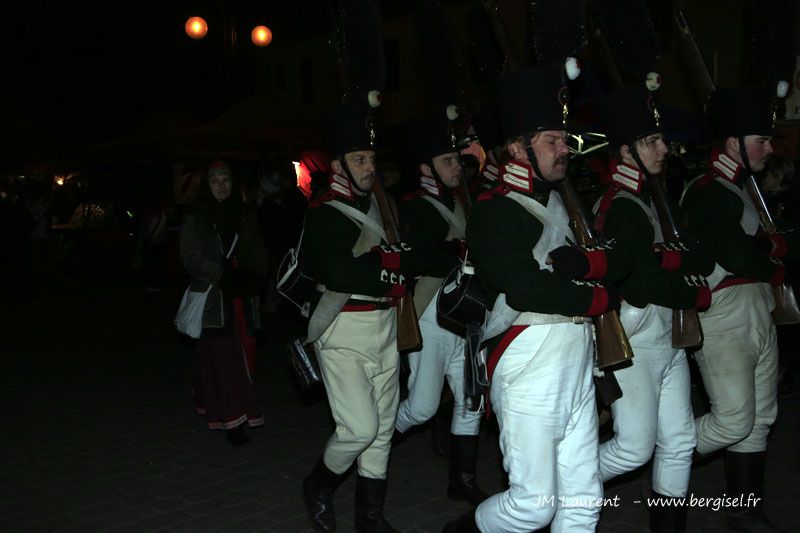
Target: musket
point(689, 49)
point(512, 58)
point(786, 309)
point(613, 347)
point(409, 336)
point(686, 329)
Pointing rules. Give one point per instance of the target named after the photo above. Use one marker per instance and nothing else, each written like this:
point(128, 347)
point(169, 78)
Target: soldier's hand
point(771, 243)
point(578, 263)
point(670, 254)
point(390, 255)
point(456, 247)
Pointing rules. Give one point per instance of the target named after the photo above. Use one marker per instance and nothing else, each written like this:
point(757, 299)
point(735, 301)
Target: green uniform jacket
point(425, 228)
point(632, 230)
point(328, 243)
point(501, 236)
point(713, 215)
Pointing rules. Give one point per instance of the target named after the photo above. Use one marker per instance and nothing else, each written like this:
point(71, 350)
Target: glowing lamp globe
point(196, 27)
point(261, 36)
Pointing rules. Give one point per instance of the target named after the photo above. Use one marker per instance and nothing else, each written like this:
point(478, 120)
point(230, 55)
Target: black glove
point(771, 243)
point(455, 247)
point(570, 261)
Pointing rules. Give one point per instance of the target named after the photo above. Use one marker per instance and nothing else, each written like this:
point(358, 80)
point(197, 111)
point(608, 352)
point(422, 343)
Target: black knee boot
point(463, 524)
point(668, 517)
point(370, 495)
point(744, 474)
point(318, 489)
point(440, 428)
point(463, 459)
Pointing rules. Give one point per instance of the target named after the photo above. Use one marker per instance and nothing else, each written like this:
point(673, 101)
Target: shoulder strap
point(448, 215)
point(731, 187)
point(647, 209)
point(602, 206)
point(541, 212)
point(358, 217)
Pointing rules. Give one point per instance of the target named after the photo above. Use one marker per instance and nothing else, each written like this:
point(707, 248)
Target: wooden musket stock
point(613, 347)
point(409, 336)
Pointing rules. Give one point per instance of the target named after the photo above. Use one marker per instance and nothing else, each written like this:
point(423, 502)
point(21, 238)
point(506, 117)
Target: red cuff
point(598, 264)
point(778, 276)
point(779, 246)
point(398, 291)
point(670, 259)
point(599, 301)
point(703, 301)
point(389, 260)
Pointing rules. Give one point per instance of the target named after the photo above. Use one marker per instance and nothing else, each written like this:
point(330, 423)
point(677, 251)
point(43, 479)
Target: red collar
point(430, 186)
point(723, 165)
point(518, 176)
point(341, 186)
point(626, 177)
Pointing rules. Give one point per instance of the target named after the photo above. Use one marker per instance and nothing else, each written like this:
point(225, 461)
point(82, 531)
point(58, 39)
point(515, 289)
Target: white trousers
point(739, 365)
point(655, 412)
point(358, 359)
point(543, 396)
point(442, 355)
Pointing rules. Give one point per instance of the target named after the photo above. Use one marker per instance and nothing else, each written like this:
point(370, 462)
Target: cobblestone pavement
point(100, 434)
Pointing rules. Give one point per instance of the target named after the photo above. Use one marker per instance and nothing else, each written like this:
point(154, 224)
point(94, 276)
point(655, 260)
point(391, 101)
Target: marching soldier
point(654, 412)
point(434, 218)
point(354, 325)
point(739, 359)
point(541, 389)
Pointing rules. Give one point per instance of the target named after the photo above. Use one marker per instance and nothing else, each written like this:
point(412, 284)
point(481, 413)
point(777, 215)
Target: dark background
point(83, 70)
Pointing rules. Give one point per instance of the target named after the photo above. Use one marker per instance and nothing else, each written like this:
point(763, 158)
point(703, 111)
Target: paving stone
point(162, 521)
point(125, 451)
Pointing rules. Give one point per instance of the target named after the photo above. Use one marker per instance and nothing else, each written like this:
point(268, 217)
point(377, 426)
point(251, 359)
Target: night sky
point(91, 70)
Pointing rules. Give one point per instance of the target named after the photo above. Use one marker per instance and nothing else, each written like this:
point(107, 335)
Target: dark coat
point(203, 255)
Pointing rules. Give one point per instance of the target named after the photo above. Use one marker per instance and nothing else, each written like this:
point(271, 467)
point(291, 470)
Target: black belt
point(372, 304)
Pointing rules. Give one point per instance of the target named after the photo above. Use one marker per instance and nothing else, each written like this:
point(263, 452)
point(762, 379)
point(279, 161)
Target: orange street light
point(261, 36)
point(196, 27)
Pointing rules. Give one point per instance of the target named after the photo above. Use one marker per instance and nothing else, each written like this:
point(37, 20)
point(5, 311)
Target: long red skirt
point(223, 381)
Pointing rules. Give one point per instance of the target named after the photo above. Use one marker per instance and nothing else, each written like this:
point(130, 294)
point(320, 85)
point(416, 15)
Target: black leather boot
point(463, 458)
point(318, 489)
point(463, 524)
point(440, 429)
point(398, 438)
point(744, 474)
point(370, 495)
point(668, 517)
